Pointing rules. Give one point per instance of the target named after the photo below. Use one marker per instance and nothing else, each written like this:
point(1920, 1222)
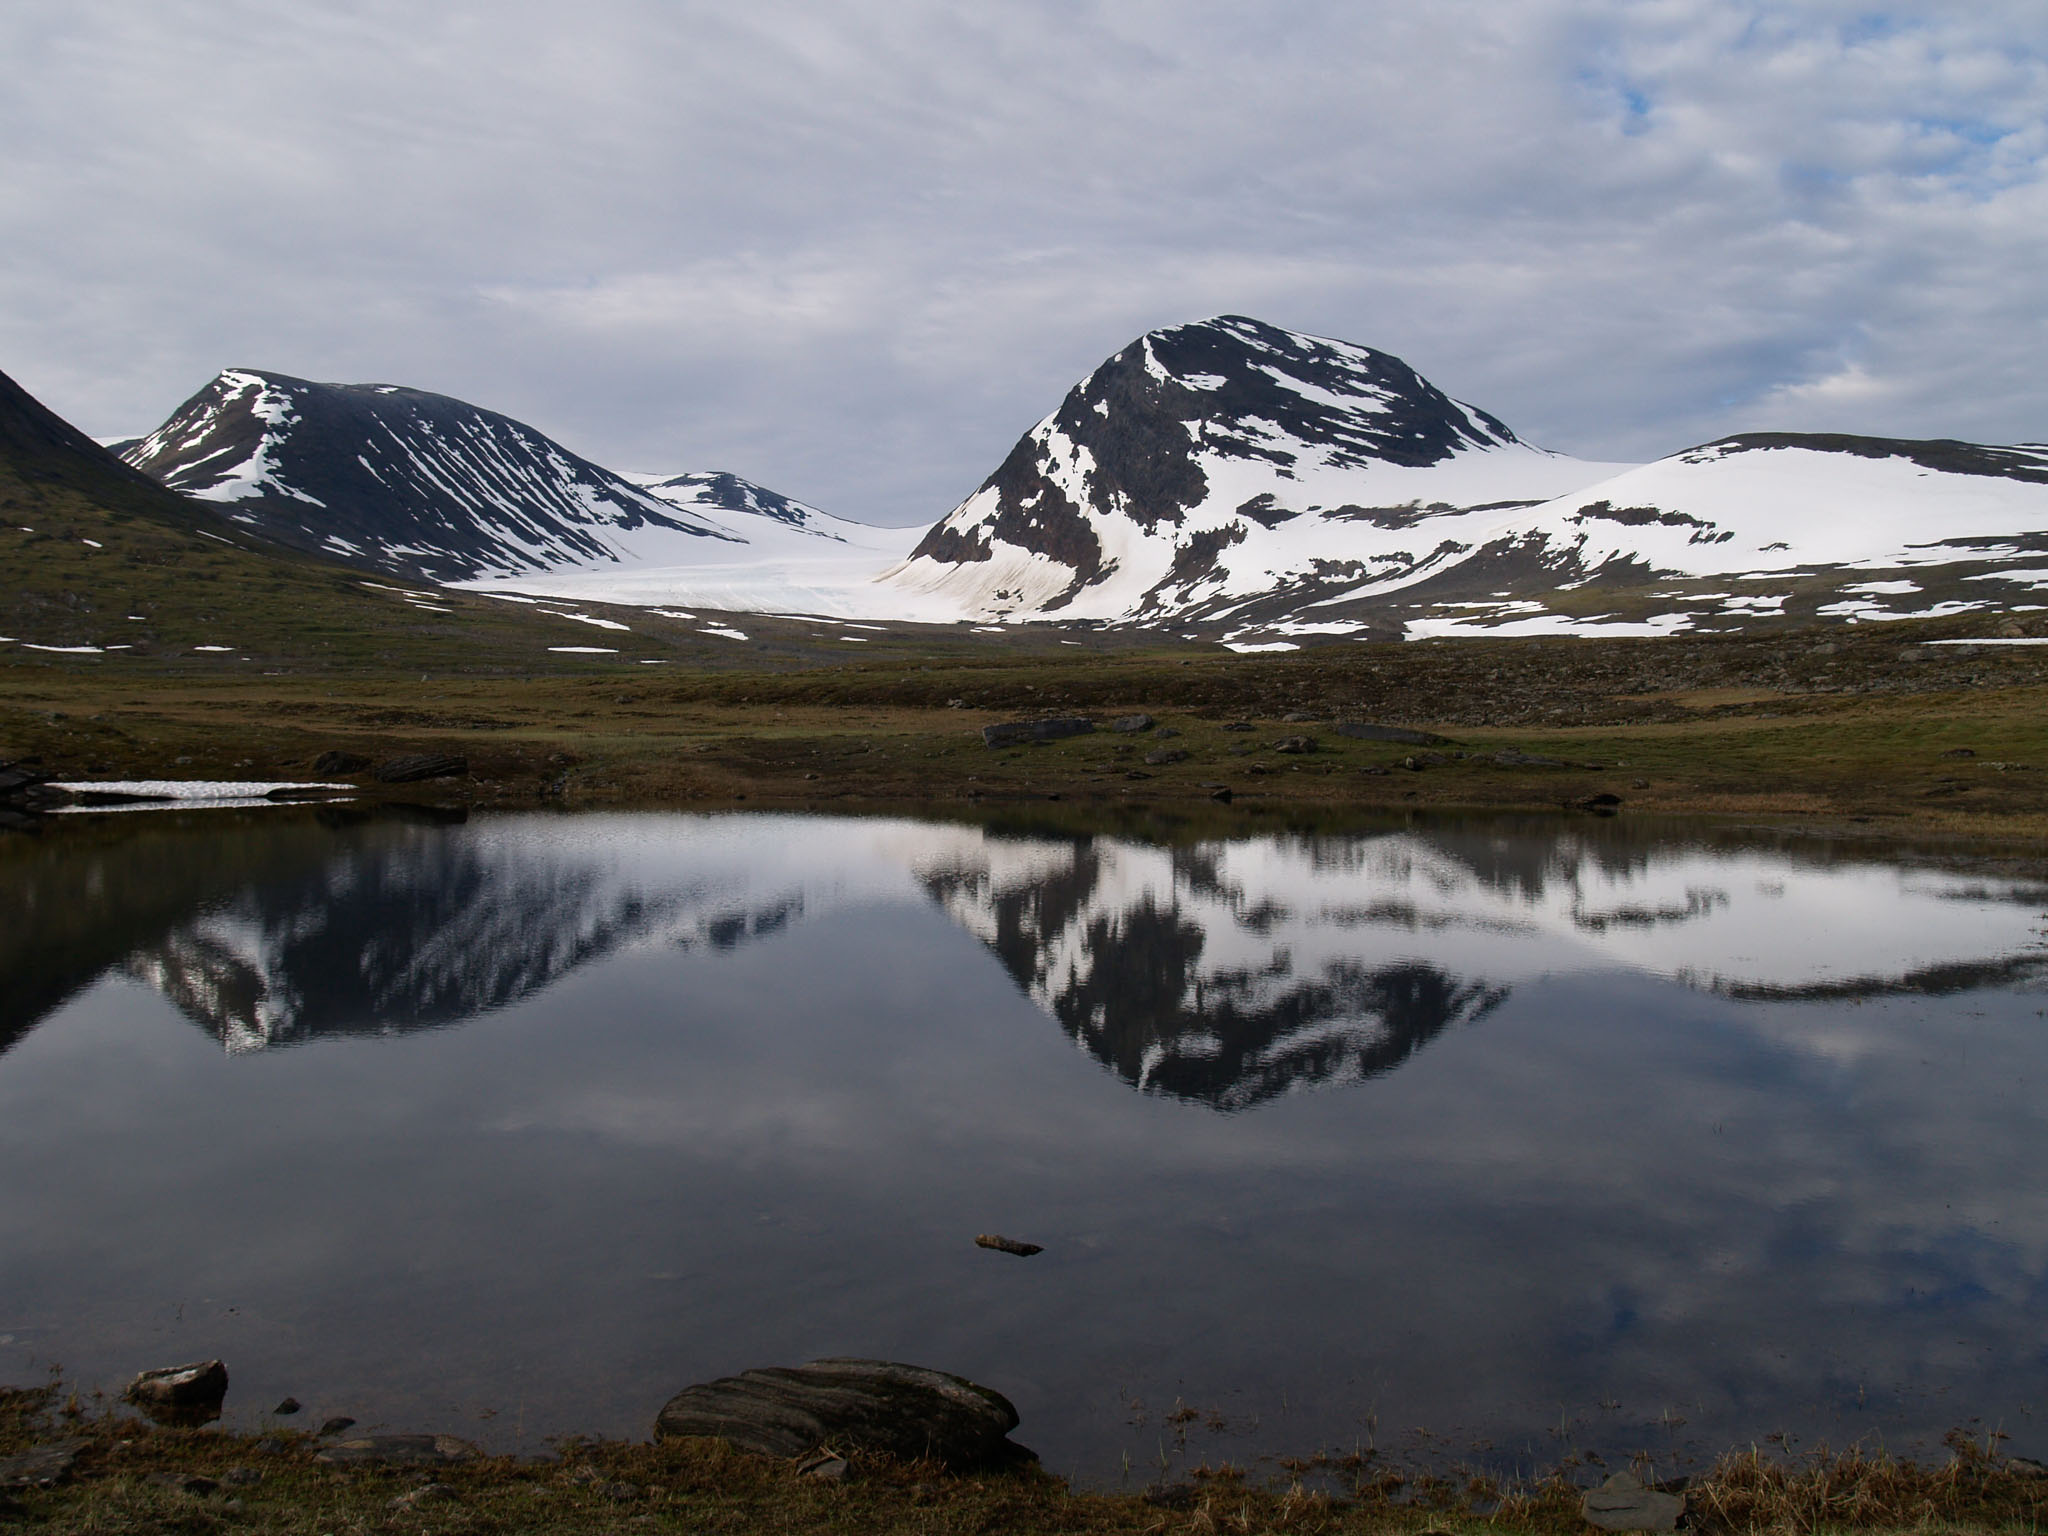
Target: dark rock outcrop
point(871, 1405)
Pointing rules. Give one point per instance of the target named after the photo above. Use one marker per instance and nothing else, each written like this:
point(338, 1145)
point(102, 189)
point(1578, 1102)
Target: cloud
point(853, 250)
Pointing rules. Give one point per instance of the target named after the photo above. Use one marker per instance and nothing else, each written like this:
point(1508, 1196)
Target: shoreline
point(104, 1471)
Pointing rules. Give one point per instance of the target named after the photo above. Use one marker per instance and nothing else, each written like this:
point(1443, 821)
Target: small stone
point(183, 1482)
point(337, 1424)
point(1295, 744)
point(1297, 717)
point(426, 1493)
point(1239, 725)
point(1960, 752)
point(1003, 1244)
point(1638, 783)
point(826, 1469)
point(1623, 1504)
point(1128, 724)
point(619, 1493)
point(1165, 733)
point(271, 1445)
point(288, 1407)
point(1167, 755)
point(1223, 795)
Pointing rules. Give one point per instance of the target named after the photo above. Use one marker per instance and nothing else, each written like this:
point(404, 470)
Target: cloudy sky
point(852, 249)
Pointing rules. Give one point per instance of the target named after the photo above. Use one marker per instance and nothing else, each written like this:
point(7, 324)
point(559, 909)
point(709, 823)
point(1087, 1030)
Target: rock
point(1415, 762)
point(1602, 804)
point(1512, 759)
point(1167, 755)
point(1297, 717)
point(1003, 1244)
point(876, 1405)
point(1960, 752)
point(1623, 1504)
point(1013, 733)
point(336, 1425)
point(1295, 744)
point(288, 1407)
point(1223, 795)
point(1638, 783)
point(399, 1450)
point(1360, 731)
point(426, 1493)
point(1166, 733)
point(1128, 724)
point(418, 766)
point(42, 1467)
point(340, 762)
point(2026, 1466)
point(243, 1477)
point(1239, 725)
point(183, 1394)
point(620, 1493)
point(183, 1482)
point(825, 1469)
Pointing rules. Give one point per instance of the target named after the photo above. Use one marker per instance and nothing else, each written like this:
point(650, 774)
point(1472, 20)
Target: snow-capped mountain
point(1797, 525)
point(430, 487)
point(1209, 464)
point(1277, 485)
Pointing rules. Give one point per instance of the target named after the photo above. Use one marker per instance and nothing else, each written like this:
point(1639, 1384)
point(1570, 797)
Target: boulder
point(1623, 1504)
point(1127, 724)
point(1295, 744)
point(399, 1450)
point(1360, 731)
point(418, 766)
point(1015, 733)
point(187, 1394)
point(872, 1405)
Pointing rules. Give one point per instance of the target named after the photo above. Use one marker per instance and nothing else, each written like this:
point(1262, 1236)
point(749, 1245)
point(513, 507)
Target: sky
point(853, 249)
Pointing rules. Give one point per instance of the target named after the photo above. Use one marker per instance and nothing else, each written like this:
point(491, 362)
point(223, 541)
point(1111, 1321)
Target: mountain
point(403, 481)
point(1235, 476)
point(1208, 464)
point(1758, 527)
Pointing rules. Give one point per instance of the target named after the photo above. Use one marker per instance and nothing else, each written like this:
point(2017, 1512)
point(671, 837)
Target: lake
point(1479, 1138)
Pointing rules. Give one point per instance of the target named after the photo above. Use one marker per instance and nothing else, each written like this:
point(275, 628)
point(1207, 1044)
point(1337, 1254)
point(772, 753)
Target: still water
point(1533, 1135)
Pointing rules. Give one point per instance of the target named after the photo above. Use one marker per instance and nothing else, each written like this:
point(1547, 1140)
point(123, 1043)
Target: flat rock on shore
point(874, 1405)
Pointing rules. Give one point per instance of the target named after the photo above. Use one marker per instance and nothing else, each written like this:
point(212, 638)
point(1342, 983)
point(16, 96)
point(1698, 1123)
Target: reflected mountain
point(1141, 987)
point(397, 937)
point(1225, 974)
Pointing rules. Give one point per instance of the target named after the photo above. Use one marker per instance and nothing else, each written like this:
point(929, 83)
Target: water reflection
point(1730, 1131)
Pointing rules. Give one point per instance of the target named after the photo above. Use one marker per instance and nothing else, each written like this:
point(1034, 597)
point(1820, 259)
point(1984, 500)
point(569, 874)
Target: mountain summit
point(1205, 462)
point(400, 480)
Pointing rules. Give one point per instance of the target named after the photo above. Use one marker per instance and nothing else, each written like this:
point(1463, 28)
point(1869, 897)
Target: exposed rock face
point(399, 480)
point(873, 1405)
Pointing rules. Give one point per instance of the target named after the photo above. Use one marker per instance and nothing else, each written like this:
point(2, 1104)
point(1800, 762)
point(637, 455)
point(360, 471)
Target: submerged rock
point(1623, 1504)
point(181, 1394)
point(1003, 1244)
point(874, 1405)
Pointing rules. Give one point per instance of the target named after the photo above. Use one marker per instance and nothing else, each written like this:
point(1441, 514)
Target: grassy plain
point(1874, 727)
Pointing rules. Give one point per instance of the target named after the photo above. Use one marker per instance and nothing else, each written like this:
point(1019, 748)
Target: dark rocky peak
point(715, 490)
point(394, 479)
